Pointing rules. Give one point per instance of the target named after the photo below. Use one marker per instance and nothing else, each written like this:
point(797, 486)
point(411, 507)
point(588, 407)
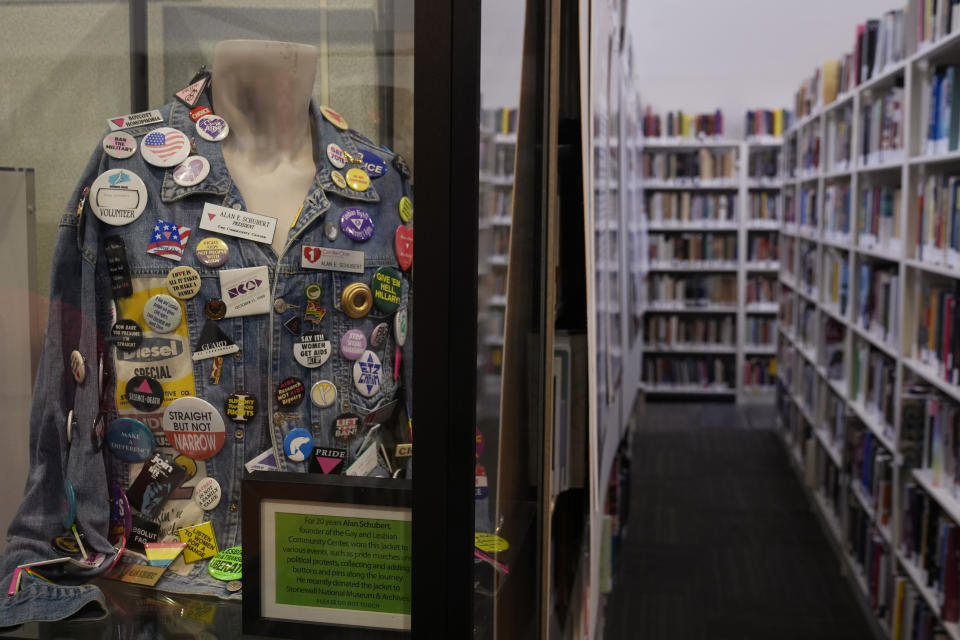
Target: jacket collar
point(218, 181)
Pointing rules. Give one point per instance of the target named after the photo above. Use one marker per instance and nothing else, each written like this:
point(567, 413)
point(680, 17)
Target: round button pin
point(345, 426)
point(130, 440)
point(117, 197)
point(234, 585)
point(331, 231)
point(183, 282)
point(373, 164)
point(312, 291)
point(298, 444)
point(378, 337)
point(357, 179)
point(400, 327)
point(71, 425)
point(215, 309)
point(119, 145)
point(353, 344)
point(386, 285)
point(290, 393)
point(356, 300)
point(323, 394)
point(126, 334)
point(98, 431)
point(191, 171)
point(311, 350)
point(367, 372)
point(194, 428)
point(162, 313)
point(227, 566)
point(199, 111)
point(78, 366)
point(338, 179)
point(165, 147)
point(212, 252)
point(356, 224)
point(241, 407)
point(207, 494)
point(336, 156)
point(405, 208)
point(333, 117)
point(212, 128)
point(146, 394)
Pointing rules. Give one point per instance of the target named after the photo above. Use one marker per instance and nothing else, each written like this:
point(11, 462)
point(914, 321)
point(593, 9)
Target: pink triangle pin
point(145, 387)
point(328, 464)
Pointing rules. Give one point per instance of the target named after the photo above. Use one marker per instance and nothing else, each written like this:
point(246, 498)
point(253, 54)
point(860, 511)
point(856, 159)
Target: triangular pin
point(328, 464)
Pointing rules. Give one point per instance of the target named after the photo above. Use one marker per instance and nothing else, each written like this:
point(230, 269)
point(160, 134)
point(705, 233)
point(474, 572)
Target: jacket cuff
point(39, 601)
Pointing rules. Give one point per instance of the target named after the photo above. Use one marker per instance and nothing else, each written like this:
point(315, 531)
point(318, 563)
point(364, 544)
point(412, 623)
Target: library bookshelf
point(740, 326)
point(861, 344)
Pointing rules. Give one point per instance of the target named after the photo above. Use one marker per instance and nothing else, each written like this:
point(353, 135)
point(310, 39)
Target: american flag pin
point(165, 147)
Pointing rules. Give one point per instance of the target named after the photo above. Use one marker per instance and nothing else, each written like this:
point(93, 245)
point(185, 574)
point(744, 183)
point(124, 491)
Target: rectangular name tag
point(135, 120)
point(330, 259)
point(239, 224)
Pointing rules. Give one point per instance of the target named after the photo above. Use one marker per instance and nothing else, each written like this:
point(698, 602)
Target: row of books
point(495, 203)
point(761, 289)
point(835, 420)
point(766, 122)
point(806, 323)
point(831, 348)
point(499, 120)
point(760, 330)
point(872, 382)
point(836, 209)
point(808, 267)
point(806, 212)
point(938, 328)
point(840, 139)
point(931, 543)
point(764, 163)
point(762, 246)
point(682, 125)
point(693, 246)
point(878, 297)
point(941, 111)
point(688, 371)
point(788, 302)
point(686, 330)
point(702, 164)
point(878, 222)
point(873, 558)
point(808, 140)
point(882, 124)
point(938, 220)
point(935, 19)
point(912, 618)
point(764, 205)
point(691, 207)
point(693, 290)
point(759, 371)
point(836, 279)
point(870, 466)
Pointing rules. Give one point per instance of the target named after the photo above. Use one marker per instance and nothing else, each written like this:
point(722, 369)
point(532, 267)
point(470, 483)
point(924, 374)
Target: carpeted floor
point(722, 543)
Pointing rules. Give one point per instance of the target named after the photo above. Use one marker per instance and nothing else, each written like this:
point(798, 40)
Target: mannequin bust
point(263, 91)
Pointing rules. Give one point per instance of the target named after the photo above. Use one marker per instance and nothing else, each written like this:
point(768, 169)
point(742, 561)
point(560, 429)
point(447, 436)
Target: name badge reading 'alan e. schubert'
point(237, 223)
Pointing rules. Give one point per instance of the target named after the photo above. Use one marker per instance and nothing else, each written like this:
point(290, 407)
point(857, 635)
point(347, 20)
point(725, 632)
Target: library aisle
point(723, 542)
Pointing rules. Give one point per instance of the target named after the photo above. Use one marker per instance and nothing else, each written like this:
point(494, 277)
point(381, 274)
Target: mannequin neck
point(263, 91)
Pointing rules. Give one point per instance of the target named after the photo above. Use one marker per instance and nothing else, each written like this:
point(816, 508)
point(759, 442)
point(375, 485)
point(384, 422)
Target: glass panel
point(231, 290)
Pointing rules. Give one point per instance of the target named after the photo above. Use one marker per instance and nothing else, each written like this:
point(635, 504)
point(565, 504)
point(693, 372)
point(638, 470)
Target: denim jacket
point(82, 311)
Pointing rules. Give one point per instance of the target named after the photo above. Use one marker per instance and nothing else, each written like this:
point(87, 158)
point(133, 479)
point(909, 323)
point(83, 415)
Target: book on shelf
point(807, 215)
point(809, 147)
point(882, 126)
point(913, 421)
point(940, 110)
point(763, 163)
point(693, 290)
point(700, 164)
point(764, 205)
point(761, 289)
point(938, 220)
point(873, 558)
point(938, 328)
point(878, 219)
point(808, 267)
point(682, 125)
point(934, 19)
point(766, 122)
point(837, 419)
point(687, 207)
point(877, 309)
point(870, 466)
point(692, 247)
point(839, 139)
point(807, 323)
point(836, 210)
point(831, 348)
point(499, 120)
point(836, 278)
point(760, 331)
point(873, 383)
point(674, 330)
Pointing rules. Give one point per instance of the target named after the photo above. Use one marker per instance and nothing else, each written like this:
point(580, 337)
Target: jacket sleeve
point(78, 309)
